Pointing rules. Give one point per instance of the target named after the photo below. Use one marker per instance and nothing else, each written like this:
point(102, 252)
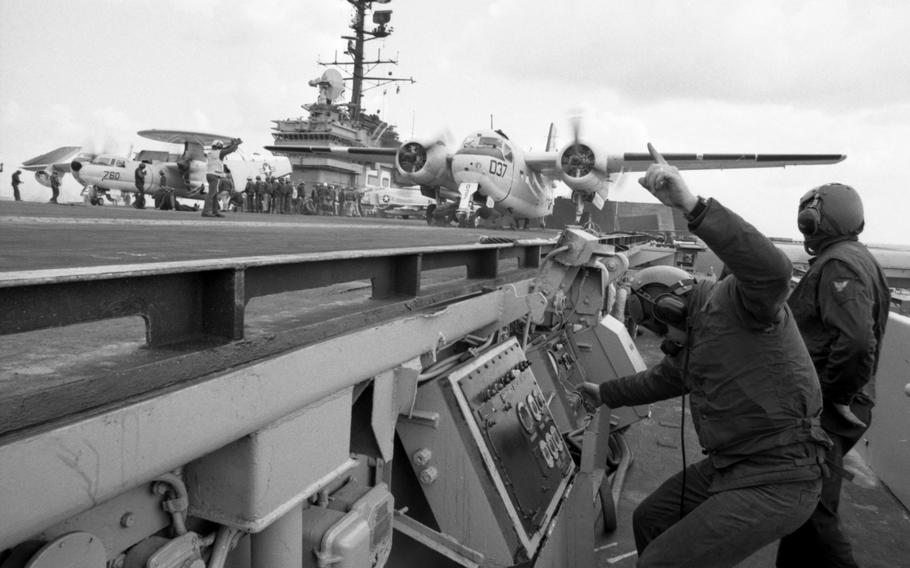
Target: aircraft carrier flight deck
point(34, 365)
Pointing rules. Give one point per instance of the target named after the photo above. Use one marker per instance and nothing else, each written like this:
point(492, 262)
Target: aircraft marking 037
point(498, 168)
point(489, 176)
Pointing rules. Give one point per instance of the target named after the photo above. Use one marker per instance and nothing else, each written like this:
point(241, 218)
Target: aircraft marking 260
point(185, 172)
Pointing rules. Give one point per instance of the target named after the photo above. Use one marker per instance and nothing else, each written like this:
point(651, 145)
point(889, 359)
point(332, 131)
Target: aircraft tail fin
point(551, 138)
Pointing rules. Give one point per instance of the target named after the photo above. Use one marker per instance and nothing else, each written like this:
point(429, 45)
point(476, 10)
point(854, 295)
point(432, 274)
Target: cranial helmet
point(658, 298)
point(830, 210)
point(217, 144)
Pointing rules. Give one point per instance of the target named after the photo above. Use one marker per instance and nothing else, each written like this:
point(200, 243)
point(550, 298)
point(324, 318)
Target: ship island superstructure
point(331, 122)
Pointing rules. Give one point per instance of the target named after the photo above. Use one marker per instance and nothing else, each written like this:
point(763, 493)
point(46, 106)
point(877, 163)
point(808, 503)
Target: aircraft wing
point(543, 162)
point(547, 162)
point(183, 136)
point(58, 159)
point(639, 162)
point(362, 154)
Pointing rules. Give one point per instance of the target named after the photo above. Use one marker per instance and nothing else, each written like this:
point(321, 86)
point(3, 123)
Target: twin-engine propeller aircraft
point(183, 172)
point(489, 177)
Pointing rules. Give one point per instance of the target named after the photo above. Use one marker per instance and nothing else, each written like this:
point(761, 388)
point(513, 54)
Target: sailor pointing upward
point(733, 346)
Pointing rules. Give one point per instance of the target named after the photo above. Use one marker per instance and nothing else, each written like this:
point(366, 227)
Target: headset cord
point(682, 427)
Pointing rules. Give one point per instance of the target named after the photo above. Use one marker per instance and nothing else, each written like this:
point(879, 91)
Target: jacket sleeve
point(660, 382)
point(762, 270)
point(846, 307)
point(231, 147)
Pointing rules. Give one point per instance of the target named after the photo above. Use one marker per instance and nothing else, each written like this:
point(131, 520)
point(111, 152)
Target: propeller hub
point(578, 160)
point(412, 157)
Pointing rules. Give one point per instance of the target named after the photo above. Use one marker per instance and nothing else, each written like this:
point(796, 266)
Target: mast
point(355, 50)
point(357, 85)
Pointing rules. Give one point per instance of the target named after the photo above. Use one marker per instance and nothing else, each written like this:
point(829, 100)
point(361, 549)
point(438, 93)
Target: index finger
point(656, 155)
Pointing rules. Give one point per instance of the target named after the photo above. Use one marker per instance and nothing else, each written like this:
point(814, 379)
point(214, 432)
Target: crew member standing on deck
point(166, 194)
point(258, 189)
point(841, 308)
point(139, 179)
point(215, 159)
point(266, 193)
point(755, 400)
point(55, 186)
point(16, 183)
point(337, 199)
point(248, 192)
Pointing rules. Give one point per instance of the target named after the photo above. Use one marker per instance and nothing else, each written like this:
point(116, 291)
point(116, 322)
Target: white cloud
point(775, 51)
point(712, 75)
point(10, 113)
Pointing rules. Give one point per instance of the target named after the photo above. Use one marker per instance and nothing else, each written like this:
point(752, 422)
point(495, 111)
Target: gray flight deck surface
point(36, 236)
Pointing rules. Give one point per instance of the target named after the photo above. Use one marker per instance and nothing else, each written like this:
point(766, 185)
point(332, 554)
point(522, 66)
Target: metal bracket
point(441, 543)
point(422, 418)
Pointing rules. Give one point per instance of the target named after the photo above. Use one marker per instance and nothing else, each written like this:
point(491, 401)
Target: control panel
point(519, 439)
point(559, 375)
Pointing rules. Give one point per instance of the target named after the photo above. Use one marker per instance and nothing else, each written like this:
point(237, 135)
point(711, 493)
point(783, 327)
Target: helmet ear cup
point(671, 309)
point(659, 298)
point(809, 219)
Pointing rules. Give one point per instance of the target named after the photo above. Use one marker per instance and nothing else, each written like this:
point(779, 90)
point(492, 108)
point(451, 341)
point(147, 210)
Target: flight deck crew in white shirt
point(215, 159)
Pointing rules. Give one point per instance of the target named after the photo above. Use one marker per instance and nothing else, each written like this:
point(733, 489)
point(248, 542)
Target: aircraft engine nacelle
point(423, 164)
point(583, 167)
point(44, 176)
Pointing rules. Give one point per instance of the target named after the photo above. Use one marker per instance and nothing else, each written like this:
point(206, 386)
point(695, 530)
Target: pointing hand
point(665, 183)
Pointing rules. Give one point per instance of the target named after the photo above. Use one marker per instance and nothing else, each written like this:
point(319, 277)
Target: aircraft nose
point(467, 170)
point(468, 177)
point(76, 165)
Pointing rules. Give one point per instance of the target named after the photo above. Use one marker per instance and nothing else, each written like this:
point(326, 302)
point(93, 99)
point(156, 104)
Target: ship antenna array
point(355, 50)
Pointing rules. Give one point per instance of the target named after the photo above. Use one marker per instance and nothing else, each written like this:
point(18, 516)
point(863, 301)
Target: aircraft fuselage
point(113, 172)
point(489, 164)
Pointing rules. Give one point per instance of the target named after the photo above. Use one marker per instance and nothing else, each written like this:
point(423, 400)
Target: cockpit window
point(507, 151)
point(486, 145)
point(108, 160)
point(489, 141)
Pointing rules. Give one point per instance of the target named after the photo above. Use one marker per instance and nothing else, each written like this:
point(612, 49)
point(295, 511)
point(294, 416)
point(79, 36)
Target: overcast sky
point(828, 76)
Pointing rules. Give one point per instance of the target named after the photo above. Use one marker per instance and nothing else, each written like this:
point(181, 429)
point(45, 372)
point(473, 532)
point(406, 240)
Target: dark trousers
point(16, 195)
point(717, 529)
point(208, 207)
point(821, 542)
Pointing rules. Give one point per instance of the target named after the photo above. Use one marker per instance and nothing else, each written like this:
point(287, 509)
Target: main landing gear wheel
point(468, 221)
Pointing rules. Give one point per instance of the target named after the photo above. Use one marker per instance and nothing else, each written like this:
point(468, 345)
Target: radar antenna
point(331, 86)
point(355, 49)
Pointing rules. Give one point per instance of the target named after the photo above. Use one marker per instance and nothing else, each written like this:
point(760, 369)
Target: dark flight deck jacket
point(841, 305)
point(754, 395)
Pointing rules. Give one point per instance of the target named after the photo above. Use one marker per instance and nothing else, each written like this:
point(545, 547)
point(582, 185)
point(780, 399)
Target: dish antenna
point(331, 86)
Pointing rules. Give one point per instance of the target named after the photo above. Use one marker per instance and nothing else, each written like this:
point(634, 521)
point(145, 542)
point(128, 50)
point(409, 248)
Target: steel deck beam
point(180, 301)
